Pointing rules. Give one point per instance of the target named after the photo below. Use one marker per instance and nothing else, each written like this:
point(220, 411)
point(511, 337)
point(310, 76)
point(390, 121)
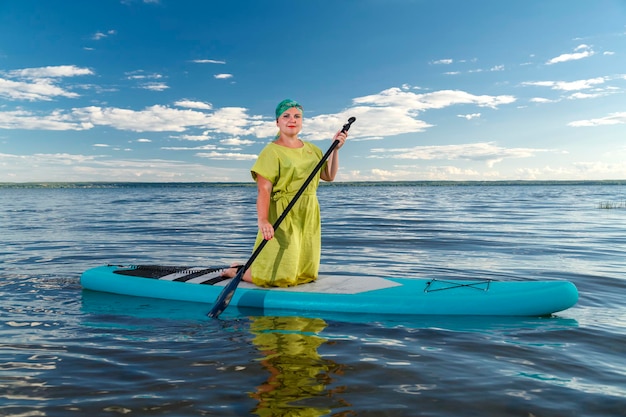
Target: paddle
point(229, 290)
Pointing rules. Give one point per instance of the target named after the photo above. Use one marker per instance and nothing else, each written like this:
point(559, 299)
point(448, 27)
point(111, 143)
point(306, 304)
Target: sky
point(185, 91)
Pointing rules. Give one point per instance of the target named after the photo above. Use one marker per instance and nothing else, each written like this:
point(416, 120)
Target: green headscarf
point(285, 105)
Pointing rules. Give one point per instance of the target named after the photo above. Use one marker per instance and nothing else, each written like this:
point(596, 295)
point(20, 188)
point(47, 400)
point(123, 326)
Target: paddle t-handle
point(346, 127)
point(227, 293)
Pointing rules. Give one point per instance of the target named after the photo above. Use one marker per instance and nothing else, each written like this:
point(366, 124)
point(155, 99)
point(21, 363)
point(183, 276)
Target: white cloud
point(568, 85)
point(579, 96)
point(223, 76)
point(469, 116)
point(21, 119)
point(200, 105)
point(228, 120)
point(187, 148)
point(446, 61)
point(130, 2)
point(394, 112)
point(152, 119)
point(50, 72)
point(101, 35)
point(611, 119)
point(227, 156)
point(202, 137)
point(576, 171)
point(541, 100)
point(600, 169)
point(39, 84)
point(412, 172)
point(39, 90)
point(154, 86)
point(236, 142)
point(70, 167)
point(371, 122)
point(581, 51)
point(391, 112)
point(208, 61)
point(26, 162)
point(486, 152)
point(435, 100)
point(233, 121)
point(140, 75)
point(447, 171)
point(148, 81)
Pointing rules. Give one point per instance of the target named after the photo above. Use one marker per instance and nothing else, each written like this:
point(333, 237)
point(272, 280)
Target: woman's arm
point(332, 163)
point(264, 193)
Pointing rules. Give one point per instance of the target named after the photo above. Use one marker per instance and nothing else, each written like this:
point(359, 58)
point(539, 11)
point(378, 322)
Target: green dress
point(292, 257)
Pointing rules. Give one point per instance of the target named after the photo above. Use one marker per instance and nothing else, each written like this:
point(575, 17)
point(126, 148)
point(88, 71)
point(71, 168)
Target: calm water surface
point(65, 352)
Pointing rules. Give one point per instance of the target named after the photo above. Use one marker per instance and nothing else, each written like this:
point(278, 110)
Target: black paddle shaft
point(229, 290)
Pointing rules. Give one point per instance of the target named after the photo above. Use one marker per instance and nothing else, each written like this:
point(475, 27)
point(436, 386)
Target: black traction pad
point(174, 273)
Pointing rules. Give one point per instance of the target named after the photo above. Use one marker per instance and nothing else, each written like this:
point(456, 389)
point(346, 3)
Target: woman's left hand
point(341, 137)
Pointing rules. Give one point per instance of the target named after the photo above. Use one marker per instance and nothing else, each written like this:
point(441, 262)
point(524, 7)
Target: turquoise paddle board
point(342, 293)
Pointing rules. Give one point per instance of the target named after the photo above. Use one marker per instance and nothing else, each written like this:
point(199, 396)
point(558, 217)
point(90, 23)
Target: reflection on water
point(297, 372)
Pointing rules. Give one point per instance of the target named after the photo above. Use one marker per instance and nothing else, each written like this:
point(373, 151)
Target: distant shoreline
point(111, 184)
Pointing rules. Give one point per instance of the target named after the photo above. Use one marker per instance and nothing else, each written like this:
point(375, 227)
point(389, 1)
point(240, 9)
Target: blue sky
point(182, 90)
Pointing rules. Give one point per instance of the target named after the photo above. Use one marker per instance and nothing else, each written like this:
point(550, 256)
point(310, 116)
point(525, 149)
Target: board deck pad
point(327, 284)
point(186, 274)
point(334, 284)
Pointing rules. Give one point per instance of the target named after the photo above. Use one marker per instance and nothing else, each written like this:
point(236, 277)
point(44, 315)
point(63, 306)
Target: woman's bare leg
point(232, 271)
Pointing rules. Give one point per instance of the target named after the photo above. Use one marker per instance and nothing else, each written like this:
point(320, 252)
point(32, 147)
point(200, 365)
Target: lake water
point(65, 352)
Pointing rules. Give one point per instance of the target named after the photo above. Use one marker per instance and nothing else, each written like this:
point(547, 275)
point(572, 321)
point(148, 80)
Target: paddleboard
point(342, 293)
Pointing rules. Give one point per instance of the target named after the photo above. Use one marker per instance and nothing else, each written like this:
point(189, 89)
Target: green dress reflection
point(297, 371)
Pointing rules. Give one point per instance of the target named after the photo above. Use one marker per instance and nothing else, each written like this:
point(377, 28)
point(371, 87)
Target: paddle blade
point(225, 296)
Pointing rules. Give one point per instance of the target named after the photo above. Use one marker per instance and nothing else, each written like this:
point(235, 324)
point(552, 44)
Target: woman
point(292, 253)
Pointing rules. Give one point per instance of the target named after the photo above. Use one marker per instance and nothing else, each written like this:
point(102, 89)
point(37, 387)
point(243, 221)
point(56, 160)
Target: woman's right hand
point(267, 230)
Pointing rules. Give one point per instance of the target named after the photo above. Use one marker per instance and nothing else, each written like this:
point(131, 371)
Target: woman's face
point(290, 122)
